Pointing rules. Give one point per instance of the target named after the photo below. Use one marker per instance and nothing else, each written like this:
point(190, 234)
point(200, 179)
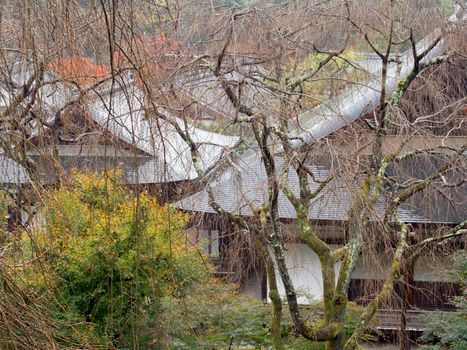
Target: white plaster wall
point(305, 271)
point(433, 268)
point(372, 267)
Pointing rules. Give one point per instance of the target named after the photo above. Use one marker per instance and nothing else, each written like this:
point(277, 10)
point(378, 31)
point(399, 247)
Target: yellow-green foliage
point(5, 201)
point(110, 258)
point(333, 76)
point(95, 216)
point(3, 211)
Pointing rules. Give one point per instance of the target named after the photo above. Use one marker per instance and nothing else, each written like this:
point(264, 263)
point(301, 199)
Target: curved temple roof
point(244, 187)
point(123, 113)
point(336, 113)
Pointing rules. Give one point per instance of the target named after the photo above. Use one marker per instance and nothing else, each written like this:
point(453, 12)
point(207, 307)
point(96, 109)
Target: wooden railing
point(389, 319)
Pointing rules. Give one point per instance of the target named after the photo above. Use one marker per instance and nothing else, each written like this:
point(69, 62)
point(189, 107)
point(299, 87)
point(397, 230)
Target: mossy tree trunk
point(267, 133)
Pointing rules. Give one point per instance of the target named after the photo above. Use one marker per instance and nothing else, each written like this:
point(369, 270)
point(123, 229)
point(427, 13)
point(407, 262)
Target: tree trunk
point(403, 338)
point(334, 344)
point(276, 307)
point(406, 300)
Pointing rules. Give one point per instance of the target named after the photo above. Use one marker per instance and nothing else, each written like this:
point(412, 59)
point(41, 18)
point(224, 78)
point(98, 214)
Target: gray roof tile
point(124, 115)
point(11, 173)
point(244, 186)
point(334, 114)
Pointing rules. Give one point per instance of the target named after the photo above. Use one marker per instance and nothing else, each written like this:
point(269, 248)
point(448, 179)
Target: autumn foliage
point(157, 56)
point(107, 261)
point(79, 69)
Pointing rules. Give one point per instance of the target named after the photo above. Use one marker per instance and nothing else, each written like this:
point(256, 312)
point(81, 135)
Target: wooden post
point(406, 303)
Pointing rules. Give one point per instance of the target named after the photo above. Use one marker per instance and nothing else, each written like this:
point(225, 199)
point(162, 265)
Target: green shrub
point(107, 260)
point(448, 330)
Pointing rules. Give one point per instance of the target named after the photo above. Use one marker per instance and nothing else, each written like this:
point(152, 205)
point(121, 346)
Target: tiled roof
point(348, 106)
point(11, 173)
point(52, 94)
point(123, 114)
point(127, 165)
point(135, 170)
point(205, 88)
point(244, 186)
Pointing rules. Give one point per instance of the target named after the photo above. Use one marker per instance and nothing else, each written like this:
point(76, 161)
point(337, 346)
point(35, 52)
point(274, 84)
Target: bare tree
point(294, 92)
point(393, 37)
